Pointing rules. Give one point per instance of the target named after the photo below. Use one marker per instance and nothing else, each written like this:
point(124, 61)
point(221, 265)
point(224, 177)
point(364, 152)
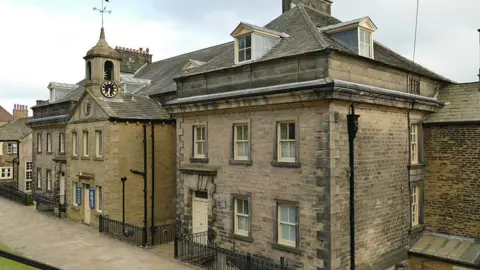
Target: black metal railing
point(12, 193)
point(200, 249)
point(162, 234)
point(158, 235)
point(121, 231)
point(26, 261)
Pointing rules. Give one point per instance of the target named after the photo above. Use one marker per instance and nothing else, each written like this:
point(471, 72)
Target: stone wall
point(25, 153)
point(6, 160)
point(381, 187)
point(452, 205)
point(262, 181)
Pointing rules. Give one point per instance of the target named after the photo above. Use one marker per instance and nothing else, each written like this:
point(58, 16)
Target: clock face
point(109, 89)
point(87, 107)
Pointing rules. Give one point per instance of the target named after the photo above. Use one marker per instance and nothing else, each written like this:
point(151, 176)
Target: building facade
point(263, 139)
point(16, 151)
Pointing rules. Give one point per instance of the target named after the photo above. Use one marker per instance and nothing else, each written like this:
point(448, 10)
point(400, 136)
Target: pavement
point(69, 245)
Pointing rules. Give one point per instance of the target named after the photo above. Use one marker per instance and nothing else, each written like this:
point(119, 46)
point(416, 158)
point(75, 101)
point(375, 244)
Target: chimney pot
point(148, 50)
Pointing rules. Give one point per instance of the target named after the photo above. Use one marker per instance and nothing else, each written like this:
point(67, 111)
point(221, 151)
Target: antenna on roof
point(416, 28)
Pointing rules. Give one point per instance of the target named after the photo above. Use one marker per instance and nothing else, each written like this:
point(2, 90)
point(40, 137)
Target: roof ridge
point(313, 28)
point(183, 54)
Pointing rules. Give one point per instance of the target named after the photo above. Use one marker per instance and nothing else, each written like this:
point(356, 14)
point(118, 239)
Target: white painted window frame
point(199, 141)
point(39, 178)
point(414, 142)
point(61, 138)
point(281, 140)
point(49, 142)
point(98, 143)
point(237, 141)
point(12, 148)
point(415, 209)
point(74, 144)
point(99, 199)
point(286, 223)
point(39, 142)
point(360, 43)
point(74, 193)
point(49, 180)
point(6, 172)
point(85, 144)
point(242, 214)
point(244, 50)
point(28, 181)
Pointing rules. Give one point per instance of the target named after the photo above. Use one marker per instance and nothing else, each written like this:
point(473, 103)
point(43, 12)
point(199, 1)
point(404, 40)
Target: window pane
point(285, 232)
point(245, 207)
point(283, 214)
point(241, 43)
point(248, 41)
point(248, 54)
point(239, 132)
point(291, 214)
point(245, 132)
point(291, 131)
point(239, 207)
point(293, 233)
point(241, 56)
point(203, 132)
point(243, 150)
point(283, 131)
point(288, 149)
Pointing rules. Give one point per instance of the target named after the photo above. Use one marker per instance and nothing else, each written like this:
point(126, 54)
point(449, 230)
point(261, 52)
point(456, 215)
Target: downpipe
point(352, 121)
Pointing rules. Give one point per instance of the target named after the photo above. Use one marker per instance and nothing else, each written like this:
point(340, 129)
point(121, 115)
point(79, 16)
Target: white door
point(62, 189)
point(200, 216)
point(86, 204)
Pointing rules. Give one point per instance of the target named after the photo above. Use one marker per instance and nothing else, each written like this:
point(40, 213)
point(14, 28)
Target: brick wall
point(452, 205)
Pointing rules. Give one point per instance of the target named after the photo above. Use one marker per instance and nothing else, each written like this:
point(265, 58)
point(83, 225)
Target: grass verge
point(6, 264)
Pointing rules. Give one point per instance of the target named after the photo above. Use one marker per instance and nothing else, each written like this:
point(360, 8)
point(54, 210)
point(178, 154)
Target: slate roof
point(462, 104)
point(161, 73)
point(73, 95)
point(302, 24)
point(15, 130)
point(132, 107)
point(4, 115)
point(451, 248)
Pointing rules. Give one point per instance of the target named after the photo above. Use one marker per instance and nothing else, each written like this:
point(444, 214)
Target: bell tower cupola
point(102, 69)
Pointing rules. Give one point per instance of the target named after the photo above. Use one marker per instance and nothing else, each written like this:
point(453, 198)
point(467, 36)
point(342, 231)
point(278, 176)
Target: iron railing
point(200, 249)
point(134, 234)
point(49, 203)
point(12, 193)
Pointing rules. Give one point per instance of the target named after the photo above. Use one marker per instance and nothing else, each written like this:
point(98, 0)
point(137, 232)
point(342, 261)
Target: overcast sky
point(43, 41)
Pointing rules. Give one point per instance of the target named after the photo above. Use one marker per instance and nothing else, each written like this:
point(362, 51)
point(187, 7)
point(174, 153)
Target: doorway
point(86, 204)
point(62, 188)
point(200, 215)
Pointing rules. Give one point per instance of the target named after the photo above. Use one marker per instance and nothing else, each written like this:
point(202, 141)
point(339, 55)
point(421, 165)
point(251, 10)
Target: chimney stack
point(323, 6)
point(19, 111)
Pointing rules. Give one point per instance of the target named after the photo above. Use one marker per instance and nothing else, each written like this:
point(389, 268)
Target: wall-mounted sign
point(78, 197)
point(91, 197)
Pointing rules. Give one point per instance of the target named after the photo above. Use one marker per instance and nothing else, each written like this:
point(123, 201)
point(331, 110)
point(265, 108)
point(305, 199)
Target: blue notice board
point(91, 197)
point(78, 197)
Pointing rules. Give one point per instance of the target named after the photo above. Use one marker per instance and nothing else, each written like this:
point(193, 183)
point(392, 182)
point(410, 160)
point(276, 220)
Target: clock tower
point(102, 69)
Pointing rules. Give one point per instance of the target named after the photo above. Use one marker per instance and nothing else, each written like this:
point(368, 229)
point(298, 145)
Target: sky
point(45, 40)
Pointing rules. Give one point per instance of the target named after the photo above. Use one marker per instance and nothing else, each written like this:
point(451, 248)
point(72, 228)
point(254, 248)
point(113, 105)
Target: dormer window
point(245, 48)
point(356, 35)
point(365, 43)
point(252, 42)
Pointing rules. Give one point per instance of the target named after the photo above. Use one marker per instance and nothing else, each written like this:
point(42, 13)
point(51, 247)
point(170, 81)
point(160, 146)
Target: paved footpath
point(71, 245)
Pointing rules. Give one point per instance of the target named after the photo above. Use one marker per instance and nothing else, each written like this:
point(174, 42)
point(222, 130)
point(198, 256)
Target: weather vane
point(103, 9)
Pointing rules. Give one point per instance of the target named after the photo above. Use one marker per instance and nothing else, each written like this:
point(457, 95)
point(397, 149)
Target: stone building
point(450, 209)
point(16, 151)
point(263, 142)
point(110, 134)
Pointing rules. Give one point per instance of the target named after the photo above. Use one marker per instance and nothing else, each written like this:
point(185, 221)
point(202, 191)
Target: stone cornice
point(297, 93)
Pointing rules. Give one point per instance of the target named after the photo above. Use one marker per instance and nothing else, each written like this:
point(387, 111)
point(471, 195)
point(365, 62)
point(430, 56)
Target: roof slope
point(302, 24)
point(15, 130)
point(4, 115)
point(73, 95)
point(462, 104)
point(162, 72)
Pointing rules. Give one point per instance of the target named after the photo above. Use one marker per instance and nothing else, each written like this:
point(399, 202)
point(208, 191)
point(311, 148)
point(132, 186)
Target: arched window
point(108, 71)
point(89, 70)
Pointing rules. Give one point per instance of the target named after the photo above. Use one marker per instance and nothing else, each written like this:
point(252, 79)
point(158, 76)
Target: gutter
point(143, 121)
point(153, 178)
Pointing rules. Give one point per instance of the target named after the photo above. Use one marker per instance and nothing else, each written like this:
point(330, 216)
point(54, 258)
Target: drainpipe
point(153, 176)
point(352, 121)
point(144, 185)
point(18, 166)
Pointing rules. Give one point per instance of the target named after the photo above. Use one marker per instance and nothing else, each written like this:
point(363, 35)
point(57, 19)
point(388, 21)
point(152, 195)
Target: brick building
point(451, 204)
point(263, 143)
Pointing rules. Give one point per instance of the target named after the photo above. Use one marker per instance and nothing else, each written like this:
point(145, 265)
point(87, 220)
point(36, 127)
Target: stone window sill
point(98, 158)
point(416, 228)
point(199, 160)
point(281, 164)
point(85, 158)
point(242, 237)
point(416, 166)
point(240, 162)
point(49, 153)
point(75, 207)
point(286, 248)
point(73, 157)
